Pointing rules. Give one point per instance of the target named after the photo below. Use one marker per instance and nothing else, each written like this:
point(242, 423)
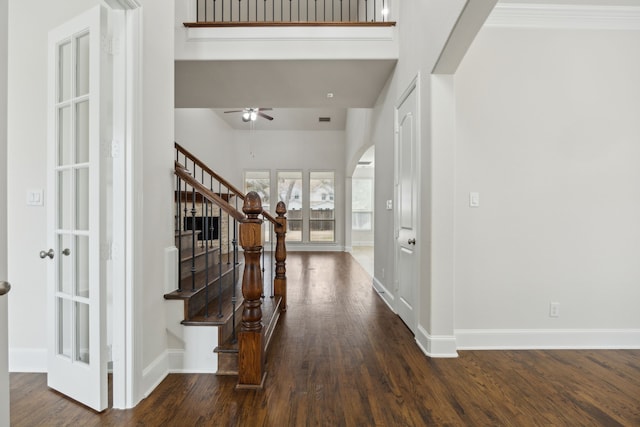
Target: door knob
point(66, 252)
point(49, 254)
point(5, 287)
point(411, 241)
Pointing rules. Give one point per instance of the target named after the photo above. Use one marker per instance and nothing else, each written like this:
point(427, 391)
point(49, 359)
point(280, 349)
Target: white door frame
point(414, 86)
point(4, 344)
point(125, 150)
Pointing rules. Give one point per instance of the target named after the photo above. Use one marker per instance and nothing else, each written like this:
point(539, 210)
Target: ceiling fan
point(251, 114)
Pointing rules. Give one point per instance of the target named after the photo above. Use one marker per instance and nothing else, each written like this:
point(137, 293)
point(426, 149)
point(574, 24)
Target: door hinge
point(111, 149)
point(115, 149)
point(111, 45)
point(110, 251)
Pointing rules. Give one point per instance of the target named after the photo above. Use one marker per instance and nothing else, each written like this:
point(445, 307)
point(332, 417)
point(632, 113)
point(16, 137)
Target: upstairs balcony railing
point(291, 12)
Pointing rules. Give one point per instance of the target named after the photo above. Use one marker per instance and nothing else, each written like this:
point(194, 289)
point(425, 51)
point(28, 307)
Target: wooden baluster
point(280, 281)
point(251, 373)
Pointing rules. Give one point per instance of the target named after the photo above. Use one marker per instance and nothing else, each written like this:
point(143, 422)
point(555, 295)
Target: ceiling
point(298, 91)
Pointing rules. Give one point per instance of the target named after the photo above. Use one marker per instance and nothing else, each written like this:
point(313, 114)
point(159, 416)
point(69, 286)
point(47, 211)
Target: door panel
point(77, 360)
point(406, 217)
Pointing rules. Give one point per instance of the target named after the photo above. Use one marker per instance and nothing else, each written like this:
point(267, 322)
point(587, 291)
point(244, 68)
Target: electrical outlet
point(554, 309)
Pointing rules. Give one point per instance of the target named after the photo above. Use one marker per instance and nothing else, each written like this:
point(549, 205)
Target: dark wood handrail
point(206, 168)
point(185, 175)
point(269, 218)
point(220, 179)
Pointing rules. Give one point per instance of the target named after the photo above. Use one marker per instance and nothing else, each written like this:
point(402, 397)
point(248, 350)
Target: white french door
point(78, 122)
point(407, 175)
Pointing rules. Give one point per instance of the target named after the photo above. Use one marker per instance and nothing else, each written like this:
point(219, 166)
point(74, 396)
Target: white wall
point(210, 138)
point(358, 136)
point(424, 28)
point(157, 184)
point(547, 131)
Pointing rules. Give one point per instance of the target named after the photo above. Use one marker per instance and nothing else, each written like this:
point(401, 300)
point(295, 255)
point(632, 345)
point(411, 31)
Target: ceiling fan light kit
point(252, 114)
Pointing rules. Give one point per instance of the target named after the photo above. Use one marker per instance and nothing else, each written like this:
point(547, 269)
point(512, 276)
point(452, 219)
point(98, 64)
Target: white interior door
point(406, 212)
point(78, 122)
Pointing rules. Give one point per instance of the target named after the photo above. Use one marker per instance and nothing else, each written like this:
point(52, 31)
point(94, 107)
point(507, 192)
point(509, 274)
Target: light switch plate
point(474, 199)
point(389, 205)
point(35, 197)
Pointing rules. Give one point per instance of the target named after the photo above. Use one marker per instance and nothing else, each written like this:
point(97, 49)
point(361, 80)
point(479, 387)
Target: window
point(362, 204)
point(260, 182)
point(322, 223)
point(290, 192)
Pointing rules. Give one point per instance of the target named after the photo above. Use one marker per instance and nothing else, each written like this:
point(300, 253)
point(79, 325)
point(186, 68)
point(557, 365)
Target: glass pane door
point(77, 356)
point(72, 188)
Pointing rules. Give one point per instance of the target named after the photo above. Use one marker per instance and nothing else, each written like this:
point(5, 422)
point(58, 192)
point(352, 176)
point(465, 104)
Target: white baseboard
point(28, 360)
point(368, 244)
point(154, 373)
point(384, 293)
point(532, 339)
point(436, 346)
point(178, 364)
point(348, 249)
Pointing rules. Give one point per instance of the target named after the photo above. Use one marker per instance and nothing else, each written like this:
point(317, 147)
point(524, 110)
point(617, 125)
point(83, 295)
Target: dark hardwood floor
point(341, 358)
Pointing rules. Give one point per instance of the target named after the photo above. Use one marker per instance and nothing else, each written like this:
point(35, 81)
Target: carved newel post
point(280, 281)
point(251, 371)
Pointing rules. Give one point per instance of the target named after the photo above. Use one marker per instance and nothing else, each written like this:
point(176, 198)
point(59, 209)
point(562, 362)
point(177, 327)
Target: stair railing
point(210, 191)
point(292, 11)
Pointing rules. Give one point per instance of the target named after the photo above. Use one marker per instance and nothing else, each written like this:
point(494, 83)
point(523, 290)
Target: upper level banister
point(204, 167)
point(208, 24)
point(289, 11)
point(184, 174)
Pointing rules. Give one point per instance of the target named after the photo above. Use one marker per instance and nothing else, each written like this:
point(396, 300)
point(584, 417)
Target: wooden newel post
point(280, 281)
point(251, 372)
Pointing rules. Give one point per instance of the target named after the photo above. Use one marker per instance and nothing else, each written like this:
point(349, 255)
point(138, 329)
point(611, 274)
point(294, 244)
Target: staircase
point(218, 286)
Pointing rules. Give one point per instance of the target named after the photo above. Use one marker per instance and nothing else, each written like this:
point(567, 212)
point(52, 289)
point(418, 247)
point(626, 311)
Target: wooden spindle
point(251, 372)
point(280, 281)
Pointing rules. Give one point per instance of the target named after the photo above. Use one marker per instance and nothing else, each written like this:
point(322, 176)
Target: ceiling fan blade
point(234, 111)
point(265, 109)
point(265, 116)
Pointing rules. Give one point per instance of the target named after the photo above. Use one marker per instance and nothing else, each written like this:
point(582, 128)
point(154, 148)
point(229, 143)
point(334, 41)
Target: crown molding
point(564, 16)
